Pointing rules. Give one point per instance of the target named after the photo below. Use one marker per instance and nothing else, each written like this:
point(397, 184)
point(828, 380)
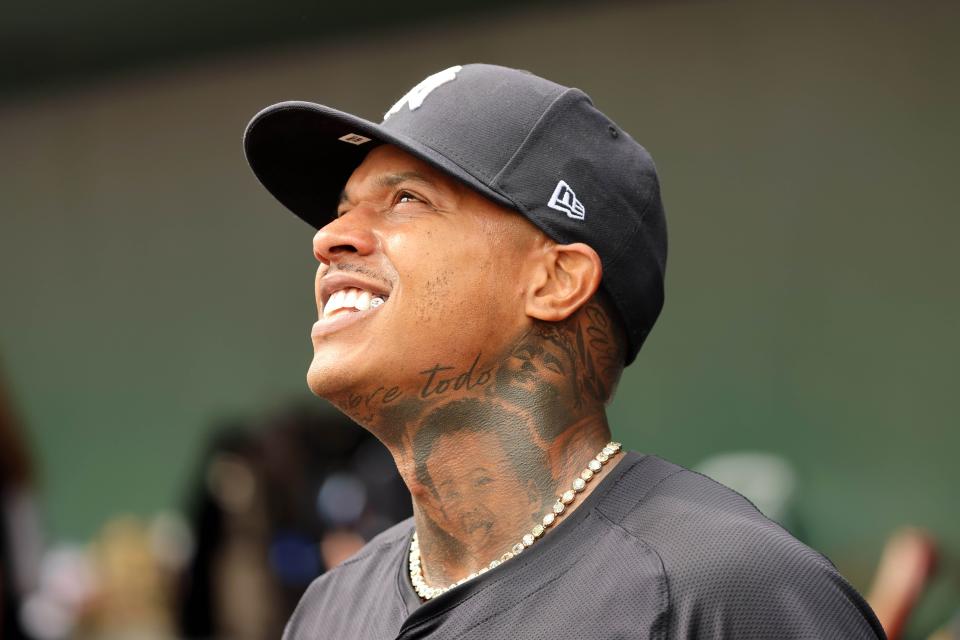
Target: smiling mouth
point(351, 300)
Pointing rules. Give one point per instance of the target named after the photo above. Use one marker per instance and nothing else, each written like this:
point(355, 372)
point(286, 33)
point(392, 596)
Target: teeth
point(363, 300)
point(334, 302)
point(351, 298)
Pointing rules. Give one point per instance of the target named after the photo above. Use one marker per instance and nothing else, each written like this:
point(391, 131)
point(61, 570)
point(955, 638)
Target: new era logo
point(565, 200)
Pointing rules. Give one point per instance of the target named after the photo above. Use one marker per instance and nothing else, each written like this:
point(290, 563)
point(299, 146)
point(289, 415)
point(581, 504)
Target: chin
point(337, 369)
point(329, 375)
point(317, 382)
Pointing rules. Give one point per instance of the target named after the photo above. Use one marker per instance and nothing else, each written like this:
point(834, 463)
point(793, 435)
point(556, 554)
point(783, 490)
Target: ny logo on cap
point(415, 96)
point(565, 200)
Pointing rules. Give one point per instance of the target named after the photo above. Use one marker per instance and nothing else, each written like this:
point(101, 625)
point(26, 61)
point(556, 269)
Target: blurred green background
point(807, 152)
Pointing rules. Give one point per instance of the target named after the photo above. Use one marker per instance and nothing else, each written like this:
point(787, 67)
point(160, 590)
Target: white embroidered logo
point(415, 96)
point(565, 200)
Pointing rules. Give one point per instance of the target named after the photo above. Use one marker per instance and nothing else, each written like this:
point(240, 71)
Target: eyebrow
point(393, 179)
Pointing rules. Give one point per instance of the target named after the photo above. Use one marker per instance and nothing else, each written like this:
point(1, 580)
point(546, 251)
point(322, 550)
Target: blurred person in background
point(491, 256)
point(907, 565)
point(272, 508)
point(226, 588)
point(21, 542)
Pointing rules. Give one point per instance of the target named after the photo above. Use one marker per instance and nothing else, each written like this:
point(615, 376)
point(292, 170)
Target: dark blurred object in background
point(272, 509)
point(20, 537)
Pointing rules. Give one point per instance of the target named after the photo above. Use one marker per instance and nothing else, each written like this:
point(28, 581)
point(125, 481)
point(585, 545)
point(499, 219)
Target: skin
point(486, 371)
point(462, 486)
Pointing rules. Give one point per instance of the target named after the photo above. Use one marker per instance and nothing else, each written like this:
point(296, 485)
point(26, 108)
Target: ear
point(566, 278)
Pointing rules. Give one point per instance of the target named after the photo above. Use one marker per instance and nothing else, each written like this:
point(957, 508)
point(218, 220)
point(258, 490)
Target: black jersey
point(655, 551)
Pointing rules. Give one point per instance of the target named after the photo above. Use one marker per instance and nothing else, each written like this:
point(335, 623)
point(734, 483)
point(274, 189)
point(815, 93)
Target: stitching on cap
point(465, 163)
point(431, 143)
point(534, 128)
point(523, 207)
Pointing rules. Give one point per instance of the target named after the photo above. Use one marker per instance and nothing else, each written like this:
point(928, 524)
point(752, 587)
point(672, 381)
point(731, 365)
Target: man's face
point(466, 486)
point(417, 272)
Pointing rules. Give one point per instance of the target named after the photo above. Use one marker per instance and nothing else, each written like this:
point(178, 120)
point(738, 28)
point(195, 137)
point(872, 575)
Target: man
point(491, 257)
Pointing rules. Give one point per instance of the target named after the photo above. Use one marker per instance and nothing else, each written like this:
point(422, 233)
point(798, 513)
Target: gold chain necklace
point(426, 592)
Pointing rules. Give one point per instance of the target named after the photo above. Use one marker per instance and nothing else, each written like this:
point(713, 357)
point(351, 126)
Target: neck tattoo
point(560, 507)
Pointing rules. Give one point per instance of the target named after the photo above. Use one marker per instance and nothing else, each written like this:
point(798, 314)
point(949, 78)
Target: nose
point(346, 236)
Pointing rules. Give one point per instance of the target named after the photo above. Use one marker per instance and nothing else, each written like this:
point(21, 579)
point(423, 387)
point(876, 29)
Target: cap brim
point(298, 152)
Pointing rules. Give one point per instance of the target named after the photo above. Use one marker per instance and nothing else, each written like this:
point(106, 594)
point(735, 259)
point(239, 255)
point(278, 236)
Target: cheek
point(458, 297)
point(460, 288)
point(438, 294)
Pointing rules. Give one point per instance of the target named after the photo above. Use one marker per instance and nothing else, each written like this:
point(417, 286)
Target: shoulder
point(385, 543)
point(367, 578)
point(730, 569)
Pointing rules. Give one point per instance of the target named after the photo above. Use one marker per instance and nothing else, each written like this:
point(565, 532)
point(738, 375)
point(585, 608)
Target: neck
point(487, 446)
point(463, 525)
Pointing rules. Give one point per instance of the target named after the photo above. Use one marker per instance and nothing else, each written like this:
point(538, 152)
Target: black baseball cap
point(522, 141)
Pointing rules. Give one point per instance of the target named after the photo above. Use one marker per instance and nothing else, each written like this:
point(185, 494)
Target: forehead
point(451, 445)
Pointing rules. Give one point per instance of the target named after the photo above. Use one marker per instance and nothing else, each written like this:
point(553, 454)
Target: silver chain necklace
point(426, 592)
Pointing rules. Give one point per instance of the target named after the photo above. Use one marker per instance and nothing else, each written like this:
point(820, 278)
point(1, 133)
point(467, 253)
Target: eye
point(405, 196)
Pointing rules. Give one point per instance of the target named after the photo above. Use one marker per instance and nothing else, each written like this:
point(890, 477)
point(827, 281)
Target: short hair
point(460, 416)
